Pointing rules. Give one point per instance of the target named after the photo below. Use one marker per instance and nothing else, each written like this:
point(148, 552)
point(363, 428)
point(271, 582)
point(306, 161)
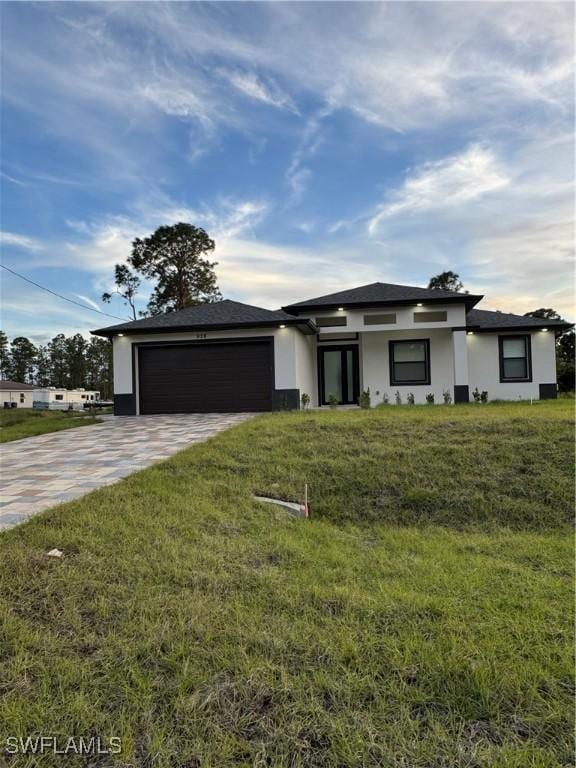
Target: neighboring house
point(229, 356)
point(13, 394)
point(60, 399)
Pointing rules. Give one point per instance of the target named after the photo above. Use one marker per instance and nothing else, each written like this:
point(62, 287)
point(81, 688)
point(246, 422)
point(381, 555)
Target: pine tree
point(43, 374)
point(99, 367)
point(75, 351)
point(22, 360)
point(58, 361)
point(4, 355)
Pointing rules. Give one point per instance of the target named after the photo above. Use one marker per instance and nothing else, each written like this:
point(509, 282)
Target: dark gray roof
point(217, 315)
point(15, 386)
point(380, 294)
point(485, 320)
point(229, 314)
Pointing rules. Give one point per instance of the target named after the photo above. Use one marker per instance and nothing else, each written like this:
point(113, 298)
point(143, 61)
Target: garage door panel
point(206, 377)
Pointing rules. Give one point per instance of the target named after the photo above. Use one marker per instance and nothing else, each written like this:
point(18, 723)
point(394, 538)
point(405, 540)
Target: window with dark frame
point(515, 358)
point(346, 336)
point(331, 321)
point(430, 317)
point(59, 397)
point(387, 319)
point(409, 362)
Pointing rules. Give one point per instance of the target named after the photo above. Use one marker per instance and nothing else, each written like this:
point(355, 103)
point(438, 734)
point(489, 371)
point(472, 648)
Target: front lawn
point(422, 618)
point(27, 422)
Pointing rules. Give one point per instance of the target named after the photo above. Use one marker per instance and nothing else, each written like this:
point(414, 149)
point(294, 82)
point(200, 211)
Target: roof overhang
point(557, 327)
point(305, 326)
point(548, 326)
point(469, 300)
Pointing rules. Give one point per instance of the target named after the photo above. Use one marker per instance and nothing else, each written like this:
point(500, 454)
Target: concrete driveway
point(38, 472)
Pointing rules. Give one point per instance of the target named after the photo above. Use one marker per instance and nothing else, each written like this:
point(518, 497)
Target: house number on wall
point(201, 335)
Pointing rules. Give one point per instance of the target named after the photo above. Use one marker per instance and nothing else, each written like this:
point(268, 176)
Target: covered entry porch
point(392, 362)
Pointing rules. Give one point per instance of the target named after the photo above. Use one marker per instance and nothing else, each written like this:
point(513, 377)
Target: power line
point(59, 295)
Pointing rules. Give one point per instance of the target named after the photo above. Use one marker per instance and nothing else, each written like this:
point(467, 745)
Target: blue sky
point(322, 146)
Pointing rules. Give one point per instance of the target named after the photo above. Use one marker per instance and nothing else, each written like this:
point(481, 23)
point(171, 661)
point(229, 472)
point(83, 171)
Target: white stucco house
point(61, 399)
point(229, 356)
point(15, 394)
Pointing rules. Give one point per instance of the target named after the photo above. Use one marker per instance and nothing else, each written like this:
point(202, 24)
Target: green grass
point(422, 618)
point(18, 423)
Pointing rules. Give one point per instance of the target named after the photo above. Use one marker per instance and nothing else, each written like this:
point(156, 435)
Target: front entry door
point(338, 374)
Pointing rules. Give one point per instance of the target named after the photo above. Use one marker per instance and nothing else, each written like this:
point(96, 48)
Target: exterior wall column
point(124, 395)
point(460, 352)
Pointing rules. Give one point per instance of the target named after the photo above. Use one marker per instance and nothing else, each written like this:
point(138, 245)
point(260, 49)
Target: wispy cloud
point(527, 261)
point(89, 301)
point(257, 89)
point(20, 241)
point(445, 183)
point(271, 275)
point(12, 179)
point(226, 218)
point(105, 243)
point(93, 246)
point(175, 100)
point(507, 227)
point(297, 174)
point(250, 268)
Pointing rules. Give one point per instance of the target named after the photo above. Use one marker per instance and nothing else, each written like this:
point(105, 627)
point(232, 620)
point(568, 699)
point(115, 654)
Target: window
point(380, 319)
point(515, 359)
point(21, 397)
point(59, 397)
point(430, 317)
point(82, 397)
point(410, 362)
point(327, 322)
point(348, 336)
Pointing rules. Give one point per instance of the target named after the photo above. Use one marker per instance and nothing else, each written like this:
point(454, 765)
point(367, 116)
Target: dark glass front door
point(338, 374)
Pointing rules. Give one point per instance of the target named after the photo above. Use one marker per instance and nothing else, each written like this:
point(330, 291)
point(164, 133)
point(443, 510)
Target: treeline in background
point(65, 361)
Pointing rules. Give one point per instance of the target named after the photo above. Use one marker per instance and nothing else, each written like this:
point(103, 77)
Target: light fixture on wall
point(469, 333)
point(120, 334)
point(419, 304)
point(282, 326)
point(544, 329)
point(340, 309)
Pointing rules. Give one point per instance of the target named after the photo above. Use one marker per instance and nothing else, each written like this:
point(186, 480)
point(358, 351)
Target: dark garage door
point(195, 378)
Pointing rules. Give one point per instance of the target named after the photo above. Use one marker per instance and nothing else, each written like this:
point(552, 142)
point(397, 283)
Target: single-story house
point(61, 399)
point(229, 356)
point(14, 394)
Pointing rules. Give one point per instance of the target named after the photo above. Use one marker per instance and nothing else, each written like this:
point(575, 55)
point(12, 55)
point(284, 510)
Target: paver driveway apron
point(39, 472)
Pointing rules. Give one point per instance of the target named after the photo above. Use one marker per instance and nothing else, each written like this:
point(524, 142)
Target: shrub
point(364, 400)
point(430, 398)
point(480, 397)
point(565, 375)
point(447, 397)
point(410, 398)
point(333, 401)
point(398, 398)
point(305, 400)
